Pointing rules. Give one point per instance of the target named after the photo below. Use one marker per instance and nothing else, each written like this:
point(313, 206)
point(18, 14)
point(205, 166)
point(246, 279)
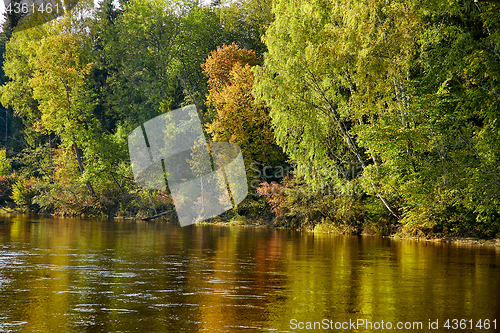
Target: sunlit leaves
point(238, 118)
point(409, 88)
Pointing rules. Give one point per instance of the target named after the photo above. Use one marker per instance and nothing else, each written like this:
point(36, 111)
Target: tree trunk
point(80, 166)
point(50, 160)
point(6, 128)
point(158, 215)
point(114, 179)
point(350, 143)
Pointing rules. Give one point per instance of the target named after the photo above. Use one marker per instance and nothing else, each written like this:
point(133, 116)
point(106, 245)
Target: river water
point(74, 275)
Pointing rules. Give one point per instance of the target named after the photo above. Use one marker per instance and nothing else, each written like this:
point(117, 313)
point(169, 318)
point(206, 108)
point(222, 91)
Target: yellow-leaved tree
point(236, 116)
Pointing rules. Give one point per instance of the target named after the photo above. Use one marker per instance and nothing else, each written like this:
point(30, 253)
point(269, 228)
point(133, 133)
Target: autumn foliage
point(220, 63)
point(238, 118)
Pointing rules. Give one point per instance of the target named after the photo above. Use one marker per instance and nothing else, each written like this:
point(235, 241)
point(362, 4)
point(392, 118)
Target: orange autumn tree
point(237, 117)
point(219, 64)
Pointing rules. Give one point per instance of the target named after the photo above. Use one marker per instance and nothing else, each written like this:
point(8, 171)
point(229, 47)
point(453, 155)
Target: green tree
point(147, 55)
point(52, 86)
point(5, 163)
point(58, 84)
point(202, 32)
point(19, 66)
point(404, 89)
point(307, 83)
point(246, 21)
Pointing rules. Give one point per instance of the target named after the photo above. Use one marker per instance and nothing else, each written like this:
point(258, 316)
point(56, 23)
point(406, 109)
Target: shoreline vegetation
point(320, 228)
point(353, 117)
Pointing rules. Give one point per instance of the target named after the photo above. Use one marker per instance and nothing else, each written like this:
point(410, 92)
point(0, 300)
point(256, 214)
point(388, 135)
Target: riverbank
point(321, 229)
point(399, 232)
point(455, 240)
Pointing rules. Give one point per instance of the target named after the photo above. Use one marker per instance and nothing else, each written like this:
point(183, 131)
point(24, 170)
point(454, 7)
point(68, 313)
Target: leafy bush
point(296, 204)
point(6, 182)
point(23, 192)
point(5, 163)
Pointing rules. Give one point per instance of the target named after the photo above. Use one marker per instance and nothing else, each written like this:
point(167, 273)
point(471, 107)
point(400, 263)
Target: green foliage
point(297, 203)
point(23, 192)
point(6, 182)
point(246, 21)
point(393, 105)
point(239, 220)
point(83, 82)
point(5, 163)
point(407, 90)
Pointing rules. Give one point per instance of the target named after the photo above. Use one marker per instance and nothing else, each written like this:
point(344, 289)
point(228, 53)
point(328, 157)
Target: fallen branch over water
point(158, 215)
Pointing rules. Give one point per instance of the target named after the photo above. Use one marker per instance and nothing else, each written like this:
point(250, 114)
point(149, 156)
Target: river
point(76, 275)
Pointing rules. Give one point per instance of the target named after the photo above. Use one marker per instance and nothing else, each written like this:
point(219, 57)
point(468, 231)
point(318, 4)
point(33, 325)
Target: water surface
point(73, 275)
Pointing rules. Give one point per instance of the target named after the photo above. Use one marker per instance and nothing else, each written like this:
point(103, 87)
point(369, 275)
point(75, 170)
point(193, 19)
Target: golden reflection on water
point(73, 275)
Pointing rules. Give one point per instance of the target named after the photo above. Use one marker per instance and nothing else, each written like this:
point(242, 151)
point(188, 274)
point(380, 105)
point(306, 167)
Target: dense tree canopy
point(405, 89)
point(238, 118)
point(387, 110)
point(81, 83)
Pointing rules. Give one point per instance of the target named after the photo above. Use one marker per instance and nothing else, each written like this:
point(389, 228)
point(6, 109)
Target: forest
point(374, 116)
